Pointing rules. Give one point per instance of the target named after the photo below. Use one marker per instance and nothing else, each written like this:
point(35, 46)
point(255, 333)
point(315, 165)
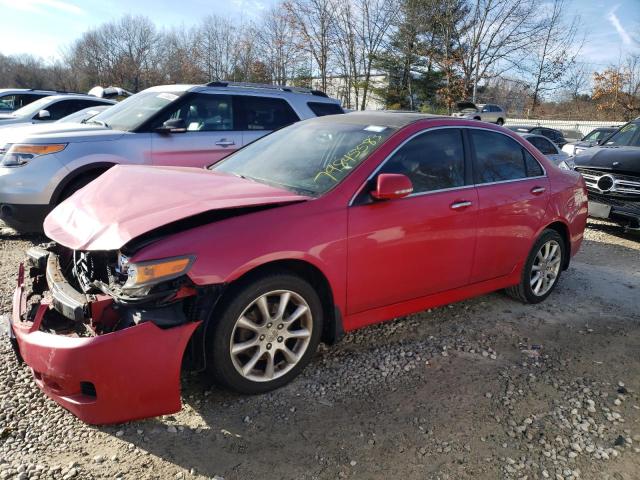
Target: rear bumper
point(116, 377)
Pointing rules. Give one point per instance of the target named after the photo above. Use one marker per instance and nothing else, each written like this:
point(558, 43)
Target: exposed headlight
point(142, 276)
point(18, 154)
point(567, 164)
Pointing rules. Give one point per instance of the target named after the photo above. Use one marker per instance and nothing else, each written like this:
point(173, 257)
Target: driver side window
point(433, 160)
point(205, 113)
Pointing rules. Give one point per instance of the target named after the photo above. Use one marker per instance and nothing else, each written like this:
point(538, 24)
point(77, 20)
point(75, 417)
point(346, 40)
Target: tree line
point(430, 53)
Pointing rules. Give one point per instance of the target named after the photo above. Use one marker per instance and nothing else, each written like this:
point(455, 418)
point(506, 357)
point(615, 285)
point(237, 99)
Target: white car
point(12, 99)
point(546, 147)
point(483, 111)
point(52, 108)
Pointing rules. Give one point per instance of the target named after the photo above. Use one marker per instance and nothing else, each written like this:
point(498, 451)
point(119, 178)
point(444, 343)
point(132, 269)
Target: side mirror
point(43, 115)
point(176, 125)
point(392, 185)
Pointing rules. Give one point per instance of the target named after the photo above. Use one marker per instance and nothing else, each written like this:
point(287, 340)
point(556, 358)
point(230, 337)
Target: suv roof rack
point(267, 86)
point(53, 91)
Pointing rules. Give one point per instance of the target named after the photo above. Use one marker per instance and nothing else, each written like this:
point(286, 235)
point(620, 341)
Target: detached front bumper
point(110, 378)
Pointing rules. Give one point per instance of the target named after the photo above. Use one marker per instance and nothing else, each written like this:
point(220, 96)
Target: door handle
point(537, 190)
point(225, 143)
point(461, 204)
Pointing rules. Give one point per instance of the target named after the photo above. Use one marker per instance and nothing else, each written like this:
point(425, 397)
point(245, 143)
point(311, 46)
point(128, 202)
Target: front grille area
point(630, 207)
point(609, 184)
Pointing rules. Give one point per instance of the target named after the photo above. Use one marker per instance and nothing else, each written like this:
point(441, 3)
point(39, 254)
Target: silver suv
point(483, 111)
point(52, 108)
point(181, 125)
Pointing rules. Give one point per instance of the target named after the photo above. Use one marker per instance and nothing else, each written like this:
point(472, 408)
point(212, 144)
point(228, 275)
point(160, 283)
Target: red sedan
point(322, 227)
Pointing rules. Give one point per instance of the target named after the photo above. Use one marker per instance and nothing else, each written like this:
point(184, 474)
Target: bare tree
point(576, 80)
point(377, 17)
point(347, 52)
point(496, 32)
point(314, 20)
point(553, 53)
point(279, 45)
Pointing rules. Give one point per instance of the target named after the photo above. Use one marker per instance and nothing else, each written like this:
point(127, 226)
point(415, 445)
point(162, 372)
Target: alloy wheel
point(271, 335)
point(545, 268)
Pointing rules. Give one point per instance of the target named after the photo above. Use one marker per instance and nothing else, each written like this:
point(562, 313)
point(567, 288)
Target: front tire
point(265, 334)
point(500, 122)
point(542, 270)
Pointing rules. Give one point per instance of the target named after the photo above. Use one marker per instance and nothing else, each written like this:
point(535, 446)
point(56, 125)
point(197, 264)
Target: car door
point(210, 132)
point(56, 110)
point(260, 115)
point(486, 115)
point(421, 244)
point(512, 199)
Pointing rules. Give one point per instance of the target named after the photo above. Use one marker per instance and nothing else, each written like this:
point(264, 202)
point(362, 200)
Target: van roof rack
point(267, 86)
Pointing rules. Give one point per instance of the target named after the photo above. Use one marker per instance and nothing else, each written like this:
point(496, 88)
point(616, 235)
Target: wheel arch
point(333, 328)
point(99, 167)
point(563, 231)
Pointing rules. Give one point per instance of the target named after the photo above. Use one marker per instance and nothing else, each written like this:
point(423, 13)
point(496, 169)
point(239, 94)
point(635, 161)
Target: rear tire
point(265, 334)
point(500, 122)
point(542, 270)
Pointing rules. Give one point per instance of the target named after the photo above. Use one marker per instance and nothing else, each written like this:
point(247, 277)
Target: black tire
point(77, 184)
point(500, 122)
point(524, 291)
point(239, 298)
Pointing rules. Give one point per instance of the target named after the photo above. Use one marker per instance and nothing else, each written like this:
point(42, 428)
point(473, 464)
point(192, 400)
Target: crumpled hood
point(128, 201)
point(56, 132)
point(625, 160)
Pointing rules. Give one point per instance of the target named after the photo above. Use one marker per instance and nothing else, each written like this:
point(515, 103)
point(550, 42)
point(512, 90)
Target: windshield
point(629, 135)
point(132, 112)
point(596, 135)
point(83, 115)
point(32, 108)
point(307, 157)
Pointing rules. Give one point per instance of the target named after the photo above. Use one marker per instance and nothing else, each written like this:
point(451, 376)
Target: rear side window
point(498, 157)
point(543, 145)
point(534, 169)
point(320, 109)
point(264, 113)
point(432, 161)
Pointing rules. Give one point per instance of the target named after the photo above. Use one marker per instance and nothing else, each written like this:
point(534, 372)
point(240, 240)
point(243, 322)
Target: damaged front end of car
point(104, 337)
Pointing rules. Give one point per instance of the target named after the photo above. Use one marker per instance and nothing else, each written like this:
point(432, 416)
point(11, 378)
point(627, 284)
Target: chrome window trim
point(462, 187)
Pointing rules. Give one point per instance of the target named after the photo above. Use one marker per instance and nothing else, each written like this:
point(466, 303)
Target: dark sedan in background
point(612, 174)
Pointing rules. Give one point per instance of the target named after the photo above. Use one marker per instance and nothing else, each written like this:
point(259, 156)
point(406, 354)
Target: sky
point(45, 27)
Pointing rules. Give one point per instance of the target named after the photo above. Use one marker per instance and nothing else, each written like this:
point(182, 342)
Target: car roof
point(532, 135)
point(393, 119)
point(79, 96)
point(246, 88)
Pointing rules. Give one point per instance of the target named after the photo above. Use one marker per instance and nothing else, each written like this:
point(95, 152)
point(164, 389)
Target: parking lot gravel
point(486, 388)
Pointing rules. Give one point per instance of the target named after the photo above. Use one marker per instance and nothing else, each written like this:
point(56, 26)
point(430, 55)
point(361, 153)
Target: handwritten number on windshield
point(348, 160)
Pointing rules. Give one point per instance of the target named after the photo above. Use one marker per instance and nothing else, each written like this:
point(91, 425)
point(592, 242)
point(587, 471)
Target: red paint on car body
point(381, 260)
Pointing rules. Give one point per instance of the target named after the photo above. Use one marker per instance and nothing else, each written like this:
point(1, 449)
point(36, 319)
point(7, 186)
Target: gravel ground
point(483, 389)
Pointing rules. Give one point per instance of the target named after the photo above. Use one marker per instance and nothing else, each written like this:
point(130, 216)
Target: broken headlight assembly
point(143, 276)
point(18, 154)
